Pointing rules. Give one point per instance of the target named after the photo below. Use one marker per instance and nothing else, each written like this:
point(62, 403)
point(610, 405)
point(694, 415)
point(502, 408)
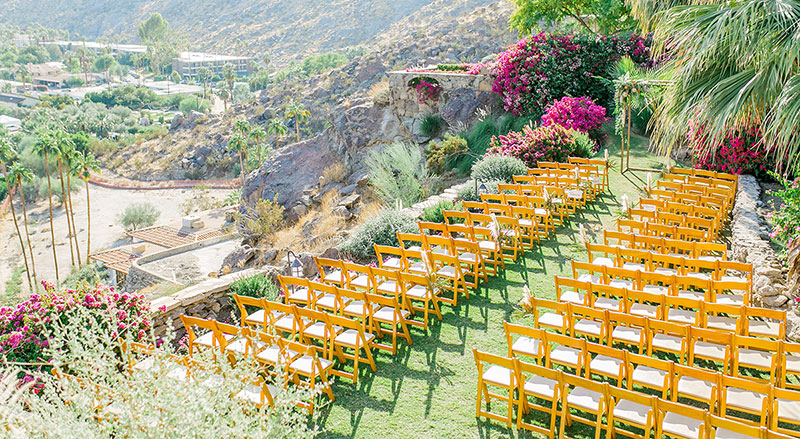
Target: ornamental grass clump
point(579, 114)
point(552, 143)
point(381, 230)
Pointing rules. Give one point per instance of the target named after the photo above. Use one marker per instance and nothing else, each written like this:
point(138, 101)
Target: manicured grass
point(428, 390)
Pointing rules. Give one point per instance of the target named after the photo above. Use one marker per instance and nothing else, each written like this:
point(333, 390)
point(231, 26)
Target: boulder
point(342, 212)
point(774, 301)
point(176, 123)
point(347, 190)
point(299, 210)
point(238, 257)
point(349, 200)
point(462, 105)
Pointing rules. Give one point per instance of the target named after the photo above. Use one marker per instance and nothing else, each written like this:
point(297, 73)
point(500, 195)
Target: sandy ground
point(194, 266)
point(107, 205)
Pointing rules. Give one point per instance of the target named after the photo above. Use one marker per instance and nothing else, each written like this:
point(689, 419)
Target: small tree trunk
point(66, 210)
point(242, 170)
point(72, 219)
point(16, 224)
point(88, 222)
point(297, 127)
point(28, 235)
point(50, 204)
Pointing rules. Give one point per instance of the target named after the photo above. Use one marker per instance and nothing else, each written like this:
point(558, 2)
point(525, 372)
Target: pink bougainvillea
point(537, 70)
point(427, 90)
point(25, 329)
point(580, 114)
point(552, 143)
point(739, 152)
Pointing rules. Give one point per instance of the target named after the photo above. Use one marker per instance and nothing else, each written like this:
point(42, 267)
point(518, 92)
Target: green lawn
point(428, 390)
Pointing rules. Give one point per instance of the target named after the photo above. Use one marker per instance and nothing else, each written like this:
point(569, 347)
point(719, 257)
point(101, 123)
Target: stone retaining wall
point(449, 194)
point(750, 243)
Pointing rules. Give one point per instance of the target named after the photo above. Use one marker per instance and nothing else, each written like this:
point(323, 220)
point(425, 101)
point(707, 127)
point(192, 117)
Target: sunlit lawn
point(428, 390)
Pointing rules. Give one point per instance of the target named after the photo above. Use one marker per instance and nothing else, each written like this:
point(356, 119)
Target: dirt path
point(107, 204)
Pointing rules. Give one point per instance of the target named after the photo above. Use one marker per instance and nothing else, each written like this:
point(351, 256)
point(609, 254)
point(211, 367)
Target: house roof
point(116, 259)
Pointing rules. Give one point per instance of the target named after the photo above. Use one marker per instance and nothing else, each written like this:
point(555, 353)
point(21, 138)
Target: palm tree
point(7, 153)
point(239, 143)
point(45, 144)
point(229, 75)
point(69, 156)
point(22, 174)
point(299, 113)
point(732, 65)
point(65, 148)
point(257, 133)
point(85, 163)
point(242, 127)
point(277, 128)
point(22, 70)
point(204, 75)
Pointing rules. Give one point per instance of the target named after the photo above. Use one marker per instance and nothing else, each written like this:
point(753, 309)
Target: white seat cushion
point(722, 433)
point(334, 276)
point(328, 301)
point(256, 318)
point(499, 376)
point(604, 365)
point(417, 292)
point(632, 412)
point(350, 338)
point(317, 330)
point(634, 266)
point(487, 245)
point(603, 262)
point(551, 320)
point(300, 295)
point(387, 315)
point(591, 327)
point(639, 309)
point(361, 281)
point(719, 322)
point(621, 283)
point(271, 354)
point(788, 409)
point(584, 399)
point(305, 365)
point(606, 303)
point(682, 426)
point(694, 295)
point(626, 333)
point(655, 289)
point(565, 355)
point(252, 393)
point(389, 286)
point(695, 388)
point(572, 297)
point(648, 376)
point(730, 299)
point(708, 350)
point(447, 271)
point(358, 307)
point(527, 346)
point(764, 327)
point(744, 399)
point(667, 342)
point(681, 316)
point(586, 277)
point(540, 387)
point(392, 263)
point(755, 358)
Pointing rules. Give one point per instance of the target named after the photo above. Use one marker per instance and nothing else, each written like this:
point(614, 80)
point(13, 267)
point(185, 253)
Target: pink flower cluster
point(739, 152)
point(428, 91)
point(25, 329)
point(580, 114)
point(552, 143)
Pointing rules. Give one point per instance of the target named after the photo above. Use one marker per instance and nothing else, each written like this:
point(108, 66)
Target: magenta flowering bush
point(552, 143)
point(428, 89)
point(786, 220)
point(537, 70)
point(739, 152)
point(580, 114)
point(25, 329)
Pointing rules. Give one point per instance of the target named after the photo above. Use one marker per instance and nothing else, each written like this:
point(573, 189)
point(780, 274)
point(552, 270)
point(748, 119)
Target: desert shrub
point(139, 215)
point(191, 103)
point(86, 274)
point(552, 143)
point(467, 193)
point(27, 330)
point(580, 114)
point(441, 154)
point(335, 172)
point(381, 229)
point(380, 93)
point(497, 167)
point(431, 125)
point(398, 173)
point(433, 214)
point(258, 286)
point(739, 152)
point(539, 69)
point(262, 220)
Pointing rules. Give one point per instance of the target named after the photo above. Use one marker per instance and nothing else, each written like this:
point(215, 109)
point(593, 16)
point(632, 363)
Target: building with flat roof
point(189, 63)
point(12, 124)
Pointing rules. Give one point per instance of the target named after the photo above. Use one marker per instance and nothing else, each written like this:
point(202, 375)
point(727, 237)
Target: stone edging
point(750, 243)
point(163, 184)
point(449, 194)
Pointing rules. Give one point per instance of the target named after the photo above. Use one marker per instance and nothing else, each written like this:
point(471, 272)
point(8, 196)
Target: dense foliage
point(498, 167)
point(606, 16)
point(739, 152)
point(552, 143)
point(433, 214)
point(381, 229)
point(135, 98)
point(537, 70)
point(398, 173)
point(26, 330)
point(580, 114)
point(786, 219)
point(440, 155)
point(468, 192)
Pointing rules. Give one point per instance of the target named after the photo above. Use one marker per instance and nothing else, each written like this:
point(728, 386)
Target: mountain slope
point(286, 29)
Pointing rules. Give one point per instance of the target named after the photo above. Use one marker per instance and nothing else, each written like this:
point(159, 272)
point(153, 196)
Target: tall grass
point(480, 134)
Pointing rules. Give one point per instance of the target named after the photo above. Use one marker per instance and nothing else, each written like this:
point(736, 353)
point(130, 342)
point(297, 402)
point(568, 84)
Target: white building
point(12, 124)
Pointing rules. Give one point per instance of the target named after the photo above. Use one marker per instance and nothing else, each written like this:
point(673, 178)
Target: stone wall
point(207, 300)
point(461, 96)
point(750, 243)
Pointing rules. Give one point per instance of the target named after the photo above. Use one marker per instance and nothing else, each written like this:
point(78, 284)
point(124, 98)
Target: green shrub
point(480, 134)
point(190, 104)
point(498, 167)
point(381, 230)
point(434, 214)
point(258, 286)
point(139, 215)
point(398, 173)
point(468, 193)
point(260, 222)
point(441, 155)
point(431, 125)
point(85, 274)
point(584, 145)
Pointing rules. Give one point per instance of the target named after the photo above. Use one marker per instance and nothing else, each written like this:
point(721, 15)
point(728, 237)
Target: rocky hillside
point(197, 145)
point(285, 29)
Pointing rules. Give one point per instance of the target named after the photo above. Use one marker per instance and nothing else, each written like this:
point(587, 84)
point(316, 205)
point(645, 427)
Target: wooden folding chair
point(679, 421)
point(392, 314)
point(565, 351)
point(319, 329)
point(389, 258)
point(275, 356)
point(731, 292)
point(490, 248)
point(746, 396)
point(253, 313)
point(331, 271)
point(326, 298)
point(501, 372)
point(669, 338)
point(308, 368)
point(471, 259)
point(359, 277)
point(629, 329)
point(530, 342)
point(297, 291)
point(607, 362)
point(417, 288)
point(583, 396)
point(764, 322)
point(542, 384)
point(710, 345)
point(724, 428)
point(573, 291)
point(258, 393)
point(650, 373)
point(589, 322)
point(756, 354)
point(632, 409)
point(355, 337)
point(448, 271)
point(727, 318)
point(356, 305)
point(551, 315)
point(790, 365)
point(785, 410)
point(210, 338)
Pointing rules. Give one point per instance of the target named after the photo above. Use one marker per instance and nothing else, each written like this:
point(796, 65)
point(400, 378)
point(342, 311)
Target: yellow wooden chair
point(356, 338)
point(331, 271)
point(529, 342)
point(630, 409)
point(498, 372)
point(392, 314)
point(650, 373)
point(583, 396)
point(543, 384)
point(416, 288)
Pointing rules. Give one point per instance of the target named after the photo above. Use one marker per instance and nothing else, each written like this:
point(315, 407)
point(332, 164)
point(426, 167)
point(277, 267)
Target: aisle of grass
point(428, 390)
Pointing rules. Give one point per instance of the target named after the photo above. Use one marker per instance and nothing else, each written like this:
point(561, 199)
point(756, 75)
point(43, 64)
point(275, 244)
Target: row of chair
point(669, 246)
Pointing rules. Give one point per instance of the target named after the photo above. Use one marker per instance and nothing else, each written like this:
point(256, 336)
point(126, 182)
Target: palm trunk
point(50, 203)
point(242, 172)
point(297, 127)
point(260, 162)
point(66, 210)
point(28, 235)
point(88, 222)
point(72, 219)
point(16, 224)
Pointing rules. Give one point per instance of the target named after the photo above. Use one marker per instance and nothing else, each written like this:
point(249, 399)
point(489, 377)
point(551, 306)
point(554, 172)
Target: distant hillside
point(286, 29)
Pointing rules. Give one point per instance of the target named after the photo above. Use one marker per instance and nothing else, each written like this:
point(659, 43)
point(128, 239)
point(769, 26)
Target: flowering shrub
point(786, 220)
point(427, 88)
point(738, 153)
point(580, 114)
point(26, 330)
point(537, 70)
point(552, 143)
